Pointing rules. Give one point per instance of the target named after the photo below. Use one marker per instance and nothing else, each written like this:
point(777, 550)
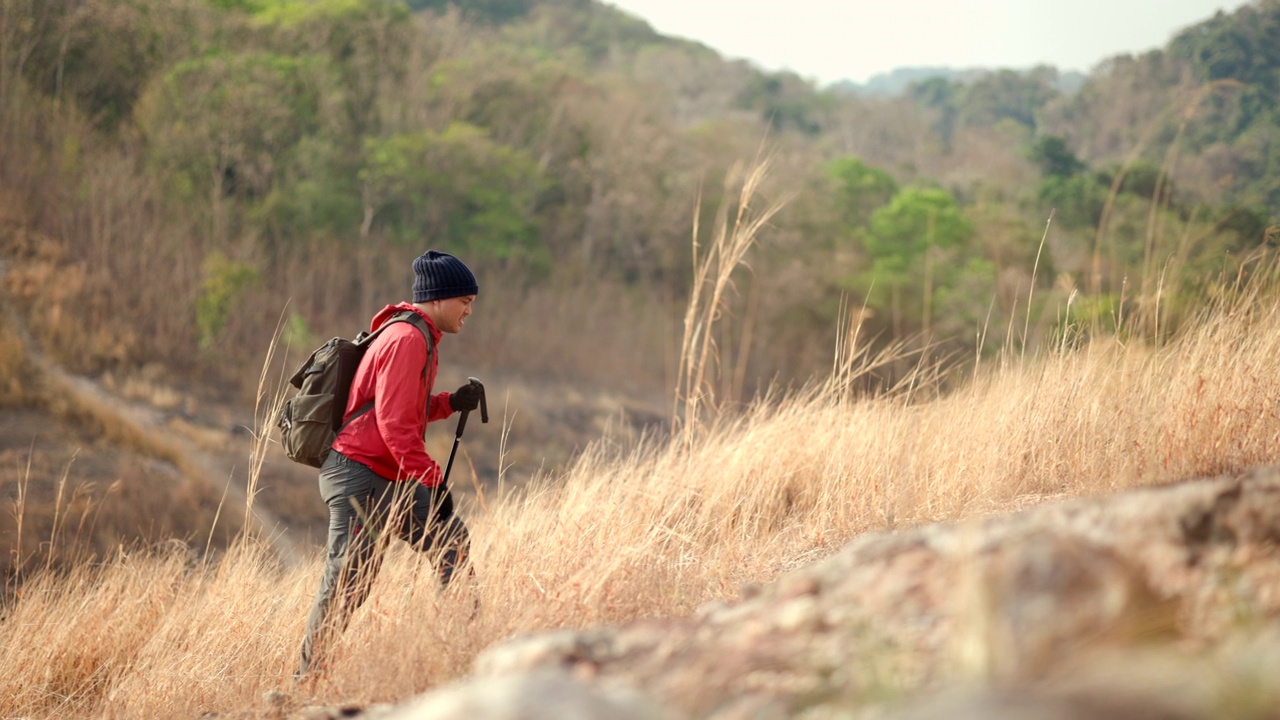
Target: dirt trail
point(220, 471)
point(150, 431)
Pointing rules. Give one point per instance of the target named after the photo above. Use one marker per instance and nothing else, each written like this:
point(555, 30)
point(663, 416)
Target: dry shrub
point(15, 374)
point(588, 330)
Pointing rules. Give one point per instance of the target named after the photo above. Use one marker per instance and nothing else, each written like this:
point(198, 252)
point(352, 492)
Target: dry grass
point(658, 531)
point(668, 525)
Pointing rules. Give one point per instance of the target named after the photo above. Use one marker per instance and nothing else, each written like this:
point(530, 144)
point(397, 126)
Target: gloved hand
point(466, 398)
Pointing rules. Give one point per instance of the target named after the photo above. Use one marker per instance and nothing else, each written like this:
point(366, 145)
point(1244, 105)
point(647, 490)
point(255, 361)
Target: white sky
point(832, 40)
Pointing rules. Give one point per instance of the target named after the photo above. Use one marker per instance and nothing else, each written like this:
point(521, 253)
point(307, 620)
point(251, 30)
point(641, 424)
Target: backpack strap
point(363, 339)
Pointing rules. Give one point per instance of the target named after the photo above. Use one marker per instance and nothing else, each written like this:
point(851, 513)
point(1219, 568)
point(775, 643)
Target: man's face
point(452, 313)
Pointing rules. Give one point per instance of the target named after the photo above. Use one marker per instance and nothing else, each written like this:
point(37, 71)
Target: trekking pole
point(462, 425)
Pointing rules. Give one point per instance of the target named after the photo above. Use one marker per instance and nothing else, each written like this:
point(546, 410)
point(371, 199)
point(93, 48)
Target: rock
point(373, 711)
point(1058, 595)
point(1010, 600)
point(1045, 705)
point(545, 695)
point(1013, 604)
point(559, 650)
point(275, 702)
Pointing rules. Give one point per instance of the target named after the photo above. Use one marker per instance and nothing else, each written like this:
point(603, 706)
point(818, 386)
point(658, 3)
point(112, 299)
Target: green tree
point(317, 193)
point(1051, 154)
point(941, 98)
point(1076, 201)
point(485, 11)
point(365, 41)
point(224, 125)
point(1241, 46)
point(98, 55)
point(916, 220)
point(786, 101)
point(860, 189)
point(1006, 94)
point(460, 187)
point(223, 282)
point(920, 253)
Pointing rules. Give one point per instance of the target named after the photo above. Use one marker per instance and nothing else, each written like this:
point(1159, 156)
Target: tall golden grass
point(667, 525)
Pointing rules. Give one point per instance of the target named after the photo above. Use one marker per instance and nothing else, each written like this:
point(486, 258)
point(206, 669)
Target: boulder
point(1010, 605)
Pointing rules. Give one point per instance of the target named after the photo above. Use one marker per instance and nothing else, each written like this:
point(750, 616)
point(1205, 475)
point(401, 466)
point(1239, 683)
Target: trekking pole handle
point(484, 403)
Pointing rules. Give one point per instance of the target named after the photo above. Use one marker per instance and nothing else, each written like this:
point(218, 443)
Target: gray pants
point(365, 511)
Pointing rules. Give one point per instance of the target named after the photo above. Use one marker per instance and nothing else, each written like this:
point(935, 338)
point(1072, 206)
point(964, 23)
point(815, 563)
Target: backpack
point(311, 420)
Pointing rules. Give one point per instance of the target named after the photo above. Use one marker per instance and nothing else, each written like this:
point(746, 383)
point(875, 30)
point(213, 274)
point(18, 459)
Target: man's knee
point(455, 549)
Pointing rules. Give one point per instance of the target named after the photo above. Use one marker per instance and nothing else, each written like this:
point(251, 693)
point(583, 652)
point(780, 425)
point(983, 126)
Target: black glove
point(466, 398)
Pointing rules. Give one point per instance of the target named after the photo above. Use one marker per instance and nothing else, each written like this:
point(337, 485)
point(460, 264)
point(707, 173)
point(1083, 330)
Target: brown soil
point(68, 495)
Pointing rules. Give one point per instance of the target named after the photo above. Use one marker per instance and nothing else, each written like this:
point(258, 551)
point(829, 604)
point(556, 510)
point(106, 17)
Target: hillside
point(898, 81)
point(183, 184)
point(702, 570)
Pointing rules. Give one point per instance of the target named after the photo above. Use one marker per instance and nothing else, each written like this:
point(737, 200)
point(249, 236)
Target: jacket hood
point(385, 313)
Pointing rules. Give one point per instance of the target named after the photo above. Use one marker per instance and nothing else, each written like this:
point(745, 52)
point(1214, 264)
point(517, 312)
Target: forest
point(185, 180)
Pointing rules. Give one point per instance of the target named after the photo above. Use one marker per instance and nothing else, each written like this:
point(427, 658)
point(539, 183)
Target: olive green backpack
point(311, 419)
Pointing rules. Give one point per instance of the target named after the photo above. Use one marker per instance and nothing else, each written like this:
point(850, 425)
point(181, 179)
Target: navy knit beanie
point(440, 276)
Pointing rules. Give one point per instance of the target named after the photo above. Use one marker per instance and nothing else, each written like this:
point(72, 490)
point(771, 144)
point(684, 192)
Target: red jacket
point(398, 376)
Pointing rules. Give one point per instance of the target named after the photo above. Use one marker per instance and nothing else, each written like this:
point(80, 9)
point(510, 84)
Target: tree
point(902, 232)
point(919, 246)
point(1009, 95)
point(223, 282)
point(1242, 46)
point(941, 97)
point(98, 55)
point(1076, 201)
point(365, 41)
point(1054, 158)
point(594, 30)
point(860, 189)
point(1147, 180)
point(485, 11)
point(223, 126)
point(459, 187)
point(786, 102)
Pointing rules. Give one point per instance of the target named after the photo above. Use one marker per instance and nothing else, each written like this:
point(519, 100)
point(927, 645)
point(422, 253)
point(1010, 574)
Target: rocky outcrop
point(539, 695)
point(1023, 607)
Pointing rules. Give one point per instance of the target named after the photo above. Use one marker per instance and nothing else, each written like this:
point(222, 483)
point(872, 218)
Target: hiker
point(378, 479)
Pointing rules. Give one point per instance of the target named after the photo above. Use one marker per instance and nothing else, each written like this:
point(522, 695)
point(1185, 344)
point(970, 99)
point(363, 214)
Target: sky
point(831, 40)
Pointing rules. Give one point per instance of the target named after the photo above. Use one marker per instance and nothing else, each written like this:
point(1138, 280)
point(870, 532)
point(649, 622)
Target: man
point(378, 479)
